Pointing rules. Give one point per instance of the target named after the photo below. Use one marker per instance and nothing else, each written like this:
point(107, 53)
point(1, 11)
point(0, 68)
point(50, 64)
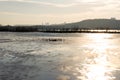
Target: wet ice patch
point(8, 58)
point(53, 39)
point(63, 77)
point(5, 40)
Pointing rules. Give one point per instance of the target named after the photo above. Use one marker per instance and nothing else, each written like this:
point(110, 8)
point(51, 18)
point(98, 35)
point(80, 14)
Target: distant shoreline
point(85, 26)
point(72, 31)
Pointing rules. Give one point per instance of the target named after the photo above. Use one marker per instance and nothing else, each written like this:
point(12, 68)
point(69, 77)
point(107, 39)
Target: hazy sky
point(56, 11)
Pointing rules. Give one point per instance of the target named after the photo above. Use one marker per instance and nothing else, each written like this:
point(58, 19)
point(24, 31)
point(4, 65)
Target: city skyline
point(56, 11)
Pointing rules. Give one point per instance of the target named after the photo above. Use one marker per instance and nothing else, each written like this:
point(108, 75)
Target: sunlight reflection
point(96, 65)
point(99, 37)
point(93, 58)
point(101, 41)
point(99, 70)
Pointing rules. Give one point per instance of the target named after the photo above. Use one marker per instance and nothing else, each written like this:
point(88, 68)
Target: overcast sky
point(56, 11)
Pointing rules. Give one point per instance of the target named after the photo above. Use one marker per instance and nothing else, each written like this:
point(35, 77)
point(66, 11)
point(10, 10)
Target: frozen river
point(59, 56)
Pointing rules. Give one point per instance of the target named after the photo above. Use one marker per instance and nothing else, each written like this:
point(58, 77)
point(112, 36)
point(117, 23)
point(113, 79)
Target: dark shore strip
point(85, 31)
point(56, 29)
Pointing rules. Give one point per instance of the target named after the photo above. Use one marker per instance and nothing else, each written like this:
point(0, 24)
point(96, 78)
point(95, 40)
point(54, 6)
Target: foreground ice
point(43, 56)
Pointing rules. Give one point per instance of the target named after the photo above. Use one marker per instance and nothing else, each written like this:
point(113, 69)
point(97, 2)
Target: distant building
point(112, 18)
point(65, 23)
point(47, 23)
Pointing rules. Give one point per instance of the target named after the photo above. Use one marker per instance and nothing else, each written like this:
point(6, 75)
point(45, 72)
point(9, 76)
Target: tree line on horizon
point(106, 24)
